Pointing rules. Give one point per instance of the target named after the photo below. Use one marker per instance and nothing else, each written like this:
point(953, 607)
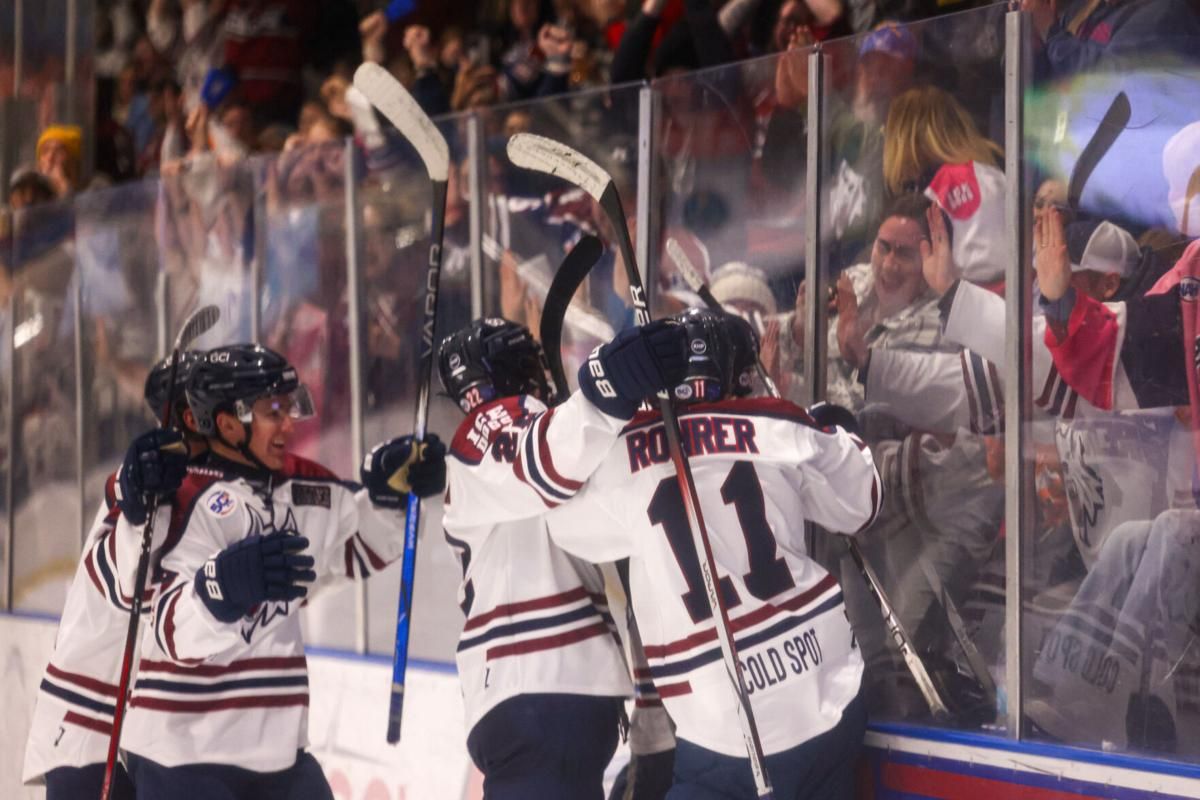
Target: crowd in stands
point(916, 245)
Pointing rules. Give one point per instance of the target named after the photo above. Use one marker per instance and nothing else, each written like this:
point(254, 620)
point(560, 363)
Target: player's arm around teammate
point(247, 533)
point(543, 679)
point(762, 467)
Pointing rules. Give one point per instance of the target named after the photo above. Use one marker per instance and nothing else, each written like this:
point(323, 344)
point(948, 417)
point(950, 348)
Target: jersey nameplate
point(306, 494)
point(700, 436)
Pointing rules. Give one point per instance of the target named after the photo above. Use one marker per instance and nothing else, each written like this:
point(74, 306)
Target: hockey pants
point(69, 783)
point(820, 769)
point(546, 746)
point(304, 780)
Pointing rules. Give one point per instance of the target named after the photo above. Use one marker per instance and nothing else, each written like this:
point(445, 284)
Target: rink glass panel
point(394, 206)
point(46, 502)
point(299, 203)
point(532, 219)
point(936, 545)
point(117, 258)
point(56, 73)
point(1110, 649)
point(728, 184)
point(7, 391)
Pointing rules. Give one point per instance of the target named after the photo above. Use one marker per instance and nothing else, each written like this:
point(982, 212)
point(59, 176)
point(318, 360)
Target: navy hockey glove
point(391, 470)
point(828, 415)
point(155, 464)
point(253, 571)
point(636, 364)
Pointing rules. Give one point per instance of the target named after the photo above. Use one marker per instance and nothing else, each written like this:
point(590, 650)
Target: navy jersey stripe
point(714, 654)
point(528, 626)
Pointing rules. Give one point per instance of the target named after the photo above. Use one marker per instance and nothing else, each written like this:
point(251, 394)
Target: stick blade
point(1110, 127)
point(686, 268)
point(398, 106)
point(201, 321)
point(570, 276)
point(539, 153)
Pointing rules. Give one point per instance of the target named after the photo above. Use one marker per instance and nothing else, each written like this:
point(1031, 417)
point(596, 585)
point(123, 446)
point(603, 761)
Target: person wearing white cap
point(743, 290)
point(1181, 168)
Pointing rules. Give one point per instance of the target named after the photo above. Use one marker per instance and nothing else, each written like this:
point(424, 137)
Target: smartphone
point(479, 50)
point(218, 83)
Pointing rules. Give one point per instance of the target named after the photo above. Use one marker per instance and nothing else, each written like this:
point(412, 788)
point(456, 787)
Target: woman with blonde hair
point(927, 127)
point(932, 145)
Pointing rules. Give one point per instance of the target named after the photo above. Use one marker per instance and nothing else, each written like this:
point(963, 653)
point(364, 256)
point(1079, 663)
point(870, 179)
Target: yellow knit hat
point(69, 135)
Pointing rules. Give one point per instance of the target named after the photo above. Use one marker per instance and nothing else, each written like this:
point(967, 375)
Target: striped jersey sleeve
point(514, 458)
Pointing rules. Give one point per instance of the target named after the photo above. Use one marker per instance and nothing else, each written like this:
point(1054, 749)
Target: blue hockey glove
point(392, 469)
point(636, 364)
point(253, 571)
point(155, 464)
point(829, 415)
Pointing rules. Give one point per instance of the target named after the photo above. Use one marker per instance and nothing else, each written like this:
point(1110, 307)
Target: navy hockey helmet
point(232, 378)
point(492, 358)
point(723, 354)
point(157, 389)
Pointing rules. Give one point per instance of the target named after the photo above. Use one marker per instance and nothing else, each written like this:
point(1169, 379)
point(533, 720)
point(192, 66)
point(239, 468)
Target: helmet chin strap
point(244, 447)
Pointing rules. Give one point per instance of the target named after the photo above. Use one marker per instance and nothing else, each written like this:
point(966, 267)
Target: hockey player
point(68, 740)
point(543, 678)
point(762, 467)
point(219, 709)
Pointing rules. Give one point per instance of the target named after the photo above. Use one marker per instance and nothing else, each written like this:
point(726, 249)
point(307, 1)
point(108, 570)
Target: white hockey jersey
point(762, 468)
point(212, 692)
point(537, 619)
point(75, 702)
point(1114, 461)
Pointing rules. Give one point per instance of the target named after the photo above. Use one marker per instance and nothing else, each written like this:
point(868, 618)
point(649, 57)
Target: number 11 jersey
point(762, 467)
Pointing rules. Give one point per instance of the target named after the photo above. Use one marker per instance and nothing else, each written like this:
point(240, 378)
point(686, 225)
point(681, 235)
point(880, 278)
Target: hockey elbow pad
point(255, 570)
point(636, 364)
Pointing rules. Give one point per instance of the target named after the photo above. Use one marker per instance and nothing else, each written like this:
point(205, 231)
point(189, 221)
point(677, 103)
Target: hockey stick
point(570, 276)
point(554, 158)
point(895, 628)
point(567, 280)
point(201, 320)
point(1110, 127)
point(398, 106)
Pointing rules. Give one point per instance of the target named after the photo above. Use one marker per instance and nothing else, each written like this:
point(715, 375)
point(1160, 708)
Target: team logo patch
point(306, 494)
point(699, 347)
point(222, 504)
point(1189, 289)
point(683, 391)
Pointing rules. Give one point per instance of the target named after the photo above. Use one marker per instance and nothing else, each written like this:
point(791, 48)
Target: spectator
point(59, 157)
point(932, 145)
point(884, 69)
point(1093, 34)
point(28, 187)
point(265, 43)
point(743, 290)
point(694, 42)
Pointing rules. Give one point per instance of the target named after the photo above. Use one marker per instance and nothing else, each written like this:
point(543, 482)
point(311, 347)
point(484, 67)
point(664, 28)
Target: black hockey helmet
point(232, 378)
point(492, 358)
point(723, 352)
point(157, 388)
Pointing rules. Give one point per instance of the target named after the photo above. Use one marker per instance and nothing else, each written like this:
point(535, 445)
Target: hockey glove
point(829, 415)
point(253, 571)
point(637, 363)
point(393, 469)
point(155, 464)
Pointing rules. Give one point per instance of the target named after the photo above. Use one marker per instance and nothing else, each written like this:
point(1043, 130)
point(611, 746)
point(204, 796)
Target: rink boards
point(912, 763)
point(347, 721)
